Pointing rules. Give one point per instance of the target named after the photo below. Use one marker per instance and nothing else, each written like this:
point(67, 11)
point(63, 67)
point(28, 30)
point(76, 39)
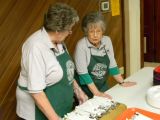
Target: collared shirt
point(39, 66)
point(84, 49)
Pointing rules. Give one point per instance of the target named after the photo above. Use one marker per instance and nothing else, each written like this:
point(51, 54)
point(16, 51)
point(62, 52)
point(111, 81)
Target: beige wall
point(132, 35)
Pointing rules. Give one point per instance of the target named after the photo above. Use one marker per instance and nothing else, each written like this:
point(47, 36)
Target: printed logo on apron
point(70, 71)
point(99, 70)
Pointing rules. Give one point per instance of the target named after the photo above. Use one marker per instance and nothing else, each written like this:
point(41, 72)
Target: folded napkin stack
point(92, 109)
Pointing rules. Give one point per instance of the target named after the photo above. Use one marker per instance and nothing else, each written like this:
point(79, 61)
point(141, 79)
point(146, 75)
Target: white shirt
point(39, 68)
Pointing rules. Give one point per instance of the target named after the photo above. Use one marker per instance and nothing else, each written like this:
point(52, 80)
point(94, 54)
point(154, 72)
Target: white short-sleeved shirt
point(84, 49)
point(39, 68)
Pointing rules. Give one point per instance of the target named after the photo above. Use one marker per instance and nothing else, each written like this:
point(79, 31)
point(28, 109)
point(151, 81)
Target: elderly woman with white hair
point(94, 57)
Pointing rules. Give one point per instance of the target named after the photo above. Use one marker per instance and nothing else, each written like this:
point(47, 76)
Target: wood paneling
point(20, 18)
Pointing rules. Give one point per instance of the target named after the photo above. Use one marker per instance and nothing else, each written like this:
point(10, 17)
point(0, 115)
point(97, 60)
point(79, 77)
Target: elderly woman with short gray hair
point(94, 57)
point(46, 83)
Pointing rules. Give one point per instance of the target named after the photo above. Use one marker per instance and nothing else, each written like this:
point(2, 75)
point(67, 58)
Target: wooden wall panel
point(20, 18)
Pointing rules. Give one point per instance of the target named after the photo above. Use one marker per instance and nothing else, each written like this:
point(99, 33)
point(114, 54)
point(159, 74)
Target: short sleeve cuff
point(29, 91)
point(114, 71)
point(85, 79)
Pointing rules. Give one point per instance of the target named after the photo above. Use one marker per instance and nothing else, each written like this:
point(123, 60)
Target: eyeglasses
point(69, 31)
point(95, 32)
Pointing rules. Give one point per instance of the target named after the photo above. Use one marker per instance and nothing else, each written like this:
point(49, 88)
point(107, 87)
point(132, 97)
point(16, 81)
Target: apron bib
point(98, 70)
point(60, 95)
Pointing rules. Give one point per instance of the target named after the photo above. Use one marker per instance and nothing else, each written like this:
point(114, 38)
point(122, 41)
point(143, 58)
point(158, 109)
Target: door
point(151, 30)
point(157, 31)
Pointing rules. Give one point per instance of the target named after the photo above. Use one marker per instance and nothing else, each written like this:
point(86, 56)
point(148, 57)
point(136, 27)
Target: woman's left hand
point(128, 84)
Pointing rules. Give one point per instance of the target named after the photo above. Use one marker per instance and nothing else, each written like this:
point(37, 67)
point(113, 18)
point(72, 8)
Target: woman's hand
point(123, 83)
point(101, 94)
point(92, 87)
point(81, 96)
point(127, 84)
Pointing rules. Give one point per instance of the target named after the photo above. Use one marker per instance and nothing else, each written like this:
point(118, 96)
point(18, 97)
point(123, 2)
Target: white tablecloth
point(135, 96)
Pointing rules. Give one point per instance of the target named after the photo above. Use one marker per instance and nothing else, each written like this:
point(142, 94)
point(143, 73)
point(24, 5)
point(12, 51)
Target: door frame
point(142, 31)
point(132, 36)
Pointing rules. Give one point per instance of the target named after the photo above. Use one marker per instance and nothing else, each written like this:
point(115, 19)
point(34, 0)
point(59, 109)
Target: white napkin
point(91, 109)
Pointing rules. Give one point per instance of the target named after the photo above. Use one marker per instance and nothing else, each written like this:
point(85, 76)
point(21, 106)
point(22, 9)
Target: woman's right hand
point(101, 94)
point(96, 92)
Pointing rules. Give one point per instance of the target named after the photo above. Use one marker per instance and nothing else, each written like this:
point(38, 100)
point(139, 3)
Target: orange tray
point(131, 111)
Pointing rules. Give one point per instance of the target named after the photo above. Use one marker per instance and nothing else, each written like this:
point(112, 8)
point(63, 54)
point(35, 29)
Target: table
point(135, 96)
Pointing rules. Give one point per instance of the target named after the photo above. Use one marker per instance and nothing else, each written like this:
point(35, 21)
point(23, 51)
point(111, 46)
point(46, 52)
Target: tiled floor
point(151, 64)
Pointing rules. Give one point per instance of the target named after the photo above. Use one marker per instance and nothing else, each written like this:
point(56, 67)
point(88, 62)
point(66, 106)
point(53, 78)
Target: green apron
point(60, 94)
point(98, 70)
